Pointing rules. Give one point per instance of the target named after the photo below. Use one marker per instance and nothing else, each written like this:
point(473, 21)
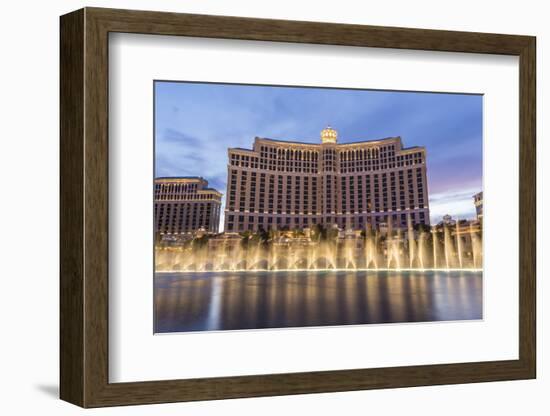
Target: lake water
point(252, 300)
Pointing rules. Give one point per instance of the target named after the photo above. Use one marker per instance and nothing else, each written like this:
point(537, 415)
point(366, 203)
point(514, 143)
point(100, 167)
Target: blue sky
point(195, 123)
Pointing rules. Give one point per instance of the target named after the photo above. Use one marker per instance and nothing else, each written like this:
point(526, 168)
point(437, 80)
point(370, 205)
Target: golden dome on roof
point(329, 135)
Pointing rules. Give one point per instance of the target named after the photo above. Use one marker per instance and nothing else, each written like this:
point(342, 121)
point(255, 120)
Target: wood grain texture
point(96, 219)
point(84, 207)
point(71, 218)
point(527, 207)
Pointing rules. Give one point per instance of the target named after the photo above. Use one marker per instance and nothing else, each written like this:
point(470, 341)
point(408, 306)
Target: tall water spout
point(435, 247)
point(448, 247)
point(422, 249)
point(477, 251)
point(411, 242)
point(459, 245)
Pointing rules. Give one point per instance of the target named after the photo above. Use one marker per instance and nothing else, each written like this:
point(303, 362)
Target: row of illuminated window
point(253, 222)
point(307, 161)
point(181, 196)
point(171, 187)
point(170, 217)
point(355, 187)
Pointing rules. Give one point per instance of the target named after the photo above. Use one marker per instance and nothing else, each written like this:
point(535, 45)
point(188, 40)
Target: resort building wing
point(186, 205)
point(289, 184)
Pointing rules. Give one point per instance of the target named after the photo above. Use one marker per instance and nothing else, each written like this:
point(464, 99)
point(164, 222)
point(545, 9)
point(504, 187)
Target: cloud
point(174, 136)
point(457, 203)
point(179, 153)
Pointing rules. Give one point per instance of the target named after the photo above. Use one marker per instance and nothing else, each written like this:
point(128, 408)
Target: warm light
point(384, 269)
point(401, 250)
point(329, 135)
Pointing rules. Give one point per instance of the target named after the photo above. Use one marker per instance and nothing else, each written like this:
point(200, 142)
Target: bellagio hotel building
point(283, 184)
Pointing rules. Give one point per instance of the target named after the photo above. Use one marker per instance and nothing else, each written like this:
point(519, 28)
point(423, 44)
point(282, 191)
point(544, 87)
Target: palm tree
point(245, 237)
point(332, 233)
point(201, 241)
point(318, 233)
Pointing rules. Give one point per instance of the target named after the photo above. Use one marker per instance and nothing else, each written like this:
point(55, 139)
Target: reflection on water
point(249, 300)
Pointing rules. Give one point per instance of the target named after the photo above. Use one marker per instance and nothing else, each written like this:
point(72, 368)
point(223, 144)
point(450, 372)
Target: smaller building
point(478, 202)
point(186, 205)
point(447, 220)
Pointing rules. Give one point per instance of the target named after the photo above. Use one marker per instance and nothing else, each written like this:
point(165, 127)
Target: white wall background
point(29, 212)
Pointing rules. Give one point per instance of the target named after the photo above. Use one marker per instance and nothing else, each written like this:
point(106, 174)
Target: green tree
point(263, 236)
point(318, 233)
point(421, 227)
point(201, 241)
point(332, 233)
point(245, 238)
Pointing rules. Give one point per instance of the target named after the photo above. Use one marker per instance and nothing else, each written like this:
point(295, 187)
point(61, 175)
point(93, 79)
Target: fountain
point(442, 247)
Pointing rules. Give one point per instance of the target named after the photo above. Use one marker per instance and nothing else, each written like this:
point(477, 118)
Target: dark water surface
point(250, 300)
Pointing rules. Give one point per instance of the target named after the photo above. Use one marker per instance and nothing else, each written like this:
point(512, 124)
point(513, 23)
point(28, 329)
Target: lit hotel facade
point(284, 184)
point(478, 203)
point(186, 205)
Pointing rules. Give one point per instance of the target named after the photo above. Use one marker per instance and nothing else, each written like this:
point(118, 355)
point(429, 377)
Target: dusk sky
point(195, 123)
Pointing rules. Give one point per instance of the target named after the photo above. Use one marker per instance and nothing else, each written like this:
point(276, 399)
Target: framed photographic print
point(255, 207)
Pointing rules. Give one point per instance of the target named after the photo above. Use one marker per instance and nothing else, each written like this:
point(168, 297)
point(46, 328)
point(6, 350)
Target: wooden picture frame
point(84, 207)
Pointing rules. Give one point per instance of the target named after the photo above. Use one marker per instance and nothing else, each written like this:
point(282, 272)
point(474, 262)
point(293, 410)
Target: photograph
point(303, 206)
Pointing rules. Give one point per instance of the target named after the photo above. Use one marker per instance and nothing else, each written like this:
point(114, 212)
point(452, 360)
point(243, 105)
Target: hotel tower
point(289, 184)
point(185, 205)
